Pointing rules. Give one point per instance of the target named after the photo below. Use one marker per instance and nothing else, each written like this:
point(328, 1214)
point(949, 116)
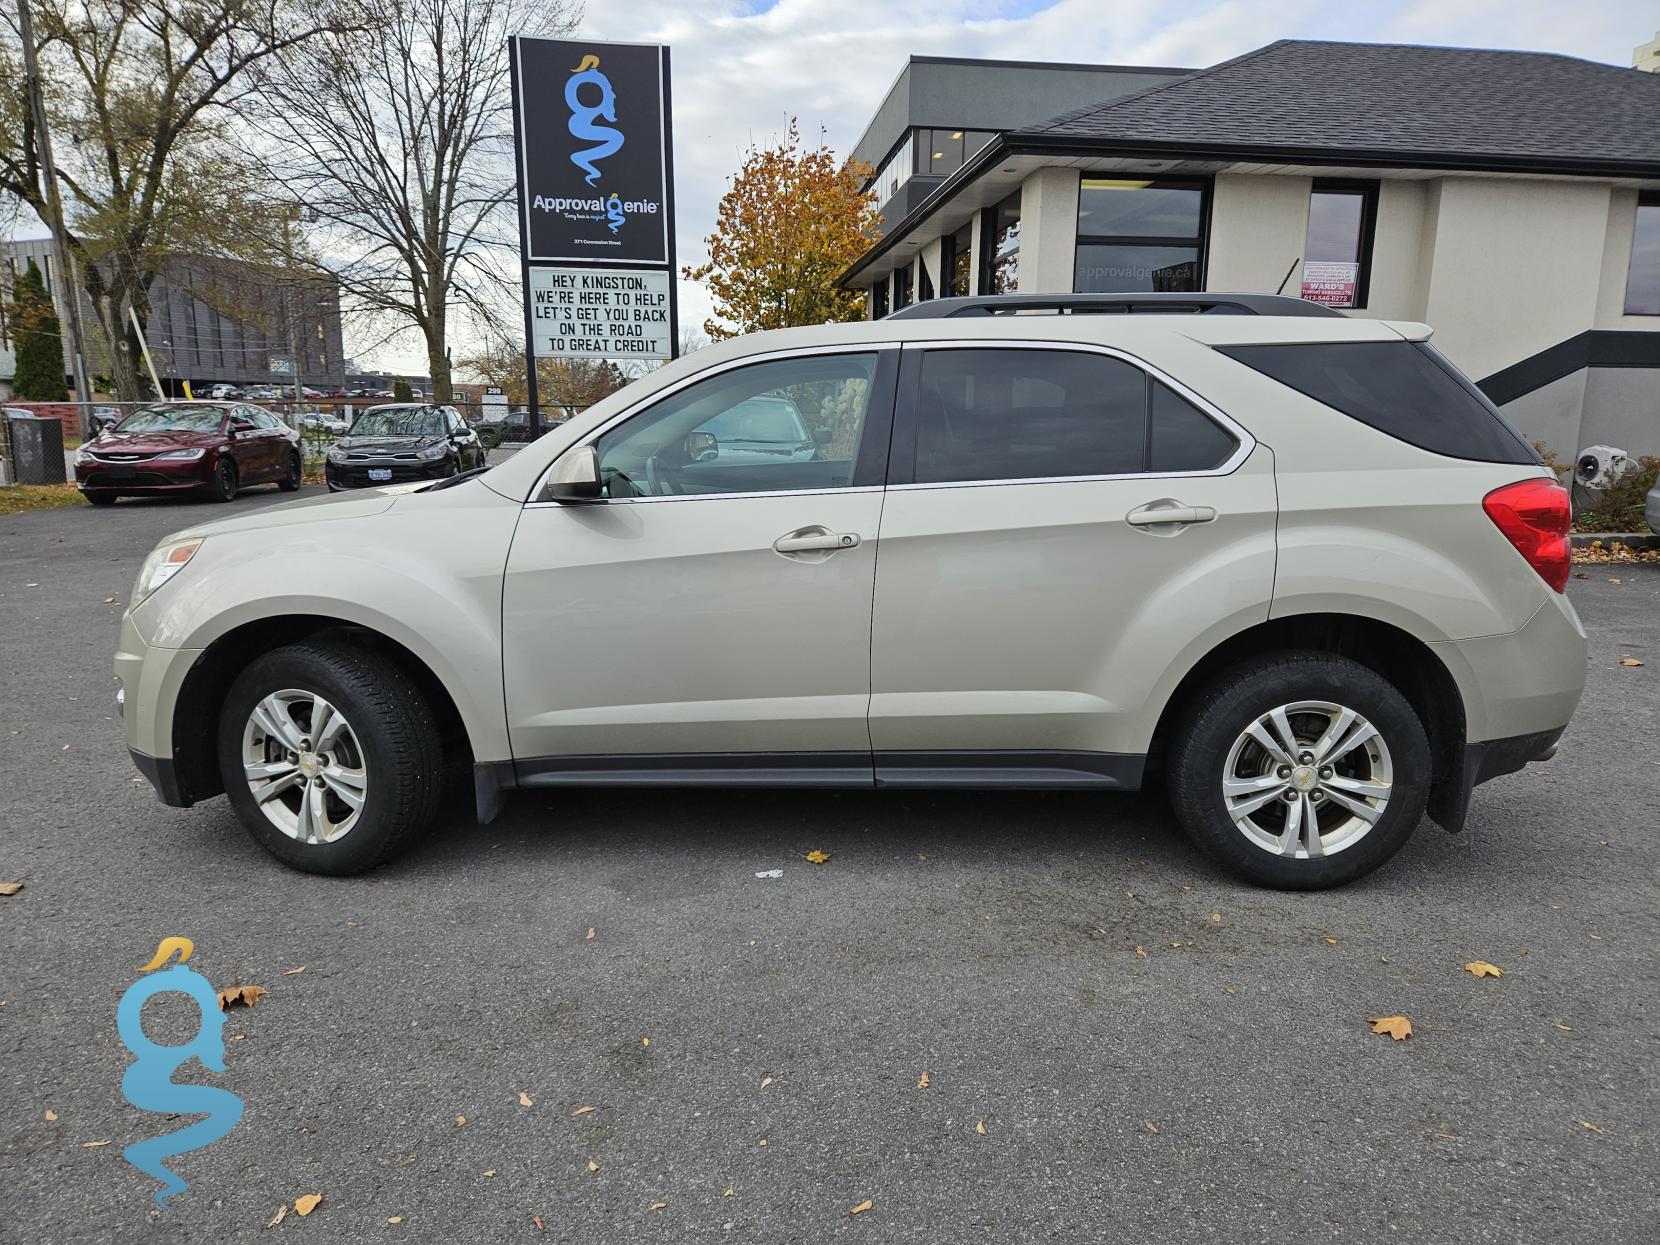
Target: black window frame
point(907, 287)
point(1367, 189)
point(1204, 185)
point(952, 246)
point(902, 454)
point(988, 251)
point(879, 297)
point(1645, 199)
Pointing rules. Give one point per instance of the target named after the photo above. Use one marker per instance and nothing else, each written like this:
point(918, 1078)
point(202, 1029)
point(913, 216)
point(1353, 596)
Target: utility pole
point(54, 207)
point(290, 293)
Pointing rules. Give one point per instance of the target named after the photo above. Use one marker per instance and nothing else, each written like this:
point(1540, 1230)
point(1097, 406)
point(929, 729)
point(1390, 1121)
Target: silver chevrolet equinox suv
point(1290, 564)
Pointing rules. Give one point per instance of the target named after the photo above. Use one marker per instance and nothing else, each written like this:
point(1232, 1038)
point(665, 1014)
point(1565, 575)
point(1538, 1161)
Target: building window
point(1000, 247)
point(901, 287)
point(1337, 258)
point(924, 282)
point(1139, 235)
point(940, 153)
point(894, 173)
point(879, 299)
point(1642, 277)
point(957, 262)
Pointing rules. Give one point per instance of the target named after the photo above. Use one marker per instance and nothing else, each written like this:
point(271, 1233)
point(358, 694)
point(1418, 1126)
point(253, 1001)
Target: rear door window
point(1405, 389)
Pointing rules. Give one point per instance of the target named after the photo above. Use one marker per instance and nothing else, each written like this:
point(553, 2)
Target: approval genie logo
point(148, 1084)
point(582, 125)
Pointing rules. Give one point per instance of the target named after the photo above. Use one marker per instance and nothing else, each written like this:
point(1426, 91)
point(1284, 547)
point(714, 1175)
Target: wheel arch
point(1397, 655)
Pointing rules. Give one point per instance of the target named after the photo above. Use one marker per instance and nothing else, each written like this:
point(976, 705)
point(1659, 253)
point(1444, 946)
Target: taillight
point(1534, 515)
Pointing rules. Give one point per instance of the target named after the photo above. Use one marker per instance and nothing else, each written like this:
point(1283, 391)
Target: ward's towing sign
point(616, 313)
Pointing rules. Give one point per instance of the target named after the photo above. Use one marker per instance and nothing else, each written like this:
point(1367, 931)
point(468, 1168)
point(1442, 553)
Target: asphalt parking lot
point(1120, 1042)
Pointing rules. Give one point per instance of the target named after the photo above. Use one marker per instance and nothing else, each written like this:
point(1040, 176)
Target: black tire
point(101, 499)
point(290, 482)
point(1206, 733)
point(402, 753)
point(223, 485)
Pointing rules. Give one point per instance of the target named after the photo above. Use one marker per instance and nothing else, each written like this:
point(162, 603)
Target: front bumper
point(153, 475)
point(150, 681)
point(354, 473)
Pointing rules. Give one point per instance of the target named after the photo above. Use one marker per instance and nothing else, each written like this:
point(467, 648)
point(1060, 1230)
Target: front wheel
point(330, 756)
point(1300, 770)
point(101, 499)
point(223, 485)
point(290, 481)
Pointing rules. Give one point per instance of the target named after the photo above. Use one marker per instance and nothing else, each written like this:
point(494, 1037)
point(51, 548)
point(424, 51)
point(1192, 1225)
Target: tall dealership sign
point(596, 200)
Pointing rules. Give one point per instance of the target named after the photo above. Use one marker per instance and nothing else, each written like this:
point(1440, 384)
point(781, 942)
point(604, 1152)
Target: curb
point(1631, 540)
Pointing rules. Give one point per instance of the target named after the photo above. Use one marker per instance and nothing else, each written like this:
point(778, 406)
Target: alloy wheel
point(304, 766)
point(1307, 779)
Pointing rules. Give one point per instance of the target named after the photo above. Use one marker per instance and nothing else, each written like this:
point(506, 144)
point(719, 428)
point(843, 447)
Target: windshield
point(771, 421)
point(173, 419)
point(399, 421)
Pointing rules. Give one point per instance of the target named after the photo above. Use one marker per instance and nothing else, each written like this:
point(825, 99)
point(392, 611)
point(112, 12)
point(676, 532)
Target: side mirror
point(823, 436)
point(701, 447)
point(575, 476)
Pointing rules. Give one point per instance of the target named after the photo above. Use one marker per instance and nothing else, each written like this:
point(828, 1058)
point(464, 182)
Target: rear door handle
point(815, 540)
point(1168, 512)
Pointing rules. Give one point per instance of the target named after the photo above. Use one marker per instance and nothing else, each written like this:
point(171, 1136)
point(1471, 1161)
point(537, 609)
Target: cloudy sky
point(741, 69)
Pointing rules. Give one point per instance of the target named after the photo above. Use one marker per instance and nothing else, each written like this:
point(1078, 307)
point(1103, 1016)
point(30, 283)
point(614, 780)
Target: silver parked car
point(1651, 507)
point(1291, 566)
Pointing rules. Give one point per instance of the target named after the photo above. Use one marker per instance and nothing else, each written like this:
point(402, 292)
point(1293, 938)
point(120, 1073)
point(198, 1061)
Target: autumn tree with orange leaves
point(791, 223)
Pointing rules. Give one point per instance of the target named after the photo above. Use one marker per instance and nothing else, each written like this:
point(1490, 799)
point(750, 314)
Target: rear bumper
point(1521, 684)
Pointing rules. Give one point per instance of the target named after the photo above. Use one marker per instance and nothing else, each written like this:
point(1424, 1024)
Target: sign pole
point(524, 245)
point(668, 207)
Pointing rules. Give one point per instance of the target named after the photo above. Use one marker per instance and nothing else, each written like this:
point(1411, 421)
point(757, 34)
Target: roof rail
point(1114, 304)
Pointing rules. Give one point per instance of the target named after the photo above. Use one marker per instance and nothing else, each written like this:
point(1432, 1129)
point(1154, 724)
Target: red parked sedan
point(175, 447)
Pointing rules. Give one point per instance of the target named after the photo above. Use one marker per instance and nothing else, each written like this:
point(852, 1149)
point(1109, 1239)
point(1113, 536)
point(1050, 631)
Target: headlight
point(432, 452)
point(164, 562)
point(83, 456)
point(186, 455)
point(335, 454)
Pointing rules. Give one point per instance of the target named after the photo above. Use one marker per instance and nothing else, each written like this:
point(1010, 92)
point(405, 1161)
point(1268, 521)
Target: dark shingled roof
point(1374, 97)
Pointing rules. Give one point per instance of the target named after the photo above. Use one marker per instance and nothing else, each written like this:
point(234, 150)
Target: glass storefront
point(1139, 235)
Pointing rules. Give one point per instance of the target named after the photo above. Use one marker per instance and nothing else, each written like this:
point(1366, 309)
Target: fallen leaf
point(1630, 661)
point(922, 856)
point(1440, 1136)
point(10, 888)
point(282, 1212)
point(1331, 942)
point(728, 1192)
point(51, 1115)
point(491, 1172)
point(765, 1081)
point(394, 1219)
point(1589, 1125)
point(1228, 990)
point(1564, 1028)
point(240, 996)
point(1596, 937)
point(109, 600)
point(861, 1208)
point(980, 1128)
point(580, 1111)
point(1141, 950)
point(591, 932)
point(293, 972)
point(769, 873)
point(1176, 945)
point(763, 1141)
point(1150, 1127)
point(593, 1166)
point(922, 1081)
point(1397, 1027)
point(239, 1037)
point(1481, 968)
point(816, 857)
point(524, 1099)
point(1615, 582)
point(656, 1206)
point(93, 1145)
point(537, 1220)
point(645, 1041)
point(460, 1121)
point(1216, 918)
point(307, 1203)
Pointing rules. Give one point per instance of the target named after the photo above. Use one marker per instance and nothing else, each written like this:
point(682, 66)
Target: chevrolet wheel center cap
point(1303, 778)
point(308, 764)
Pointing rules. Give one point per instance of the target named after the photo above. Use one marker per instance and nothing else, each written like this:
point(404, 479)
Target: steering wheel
point(661, 481)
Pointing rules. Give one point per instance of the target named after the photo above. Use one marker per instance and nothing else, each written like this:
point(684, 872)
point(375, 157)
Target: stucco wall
point(1551, 415)
point(1048, 231)
point(1257, 229)
point(1396, 288)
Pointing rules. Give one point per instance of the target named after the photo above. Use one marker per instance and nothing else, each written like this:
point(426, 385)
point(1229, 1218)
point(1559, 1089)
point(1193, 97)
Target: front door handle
point(815, 540)
point(1168, 511)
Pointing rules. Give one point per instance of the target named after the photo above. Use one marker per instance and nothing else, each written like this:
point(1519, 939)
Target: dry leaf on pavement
point(460, 1121)
point(593, 1166)
point(1331, 942)
point(93, 1145)
point(980, 1128)
point(765, 1081)
point(861, 1208)
point(491, 1172)
point(1441, 1136)
point(293, 972)
point(394, 1219)
point(1397, 1027)
point(1630, 661)
point(1481, 968)
point(922, 1081)
point(591, 932)
point(10, 888)
point(816, 857)
point(1588, 1125)
point(240, 996)
point(1151, 1127)
point(524, 1099)
point(50, 1115)
point(537, 1220)
point(1141, 950)
point(282, 1213)
point(307, 1203)
point(657, 1206)
point(1216, 918)
point(580, 1111)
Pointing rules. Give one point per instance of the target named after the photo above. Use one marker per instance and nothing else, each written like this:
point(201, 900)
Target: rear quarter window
point(1405, 389)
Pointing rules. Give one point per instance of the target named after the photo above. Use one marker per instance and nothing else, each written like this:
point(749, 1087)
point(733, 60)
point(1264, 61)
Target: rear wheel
point(330, 756)
point(223, 485)
point(290, 481)
point(1300, 770)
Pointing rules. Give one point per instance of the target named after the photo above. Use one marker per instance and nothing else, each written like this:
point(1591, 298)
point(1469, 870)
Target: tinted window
point(1130, 268)
point(1182, 438)
point(1137, 209)
point(1642, 279)
point(1405, 389)
point(173, 419)
point(788, 425)
point(1027, 414)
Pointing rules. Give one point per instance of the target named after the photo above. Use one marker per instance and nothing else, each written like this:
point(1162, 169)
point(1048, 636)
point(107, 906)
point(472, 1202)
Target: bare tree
point(398, 135)
point(141, 96)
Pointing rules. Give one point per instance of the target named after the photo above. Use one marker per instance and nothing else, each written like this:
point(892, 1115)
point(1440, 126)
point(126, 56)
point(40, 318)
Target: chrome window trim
point(657, 396)
point(1245, 443)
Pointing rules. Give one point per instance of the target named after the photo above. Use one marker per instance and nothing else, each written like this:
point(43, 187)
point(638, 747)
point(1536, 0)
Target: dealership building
point(1511, 200)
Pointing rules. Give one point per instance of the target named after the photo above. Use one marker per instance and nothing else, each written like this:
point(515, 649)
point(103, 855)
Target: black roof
point(1372, 98)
